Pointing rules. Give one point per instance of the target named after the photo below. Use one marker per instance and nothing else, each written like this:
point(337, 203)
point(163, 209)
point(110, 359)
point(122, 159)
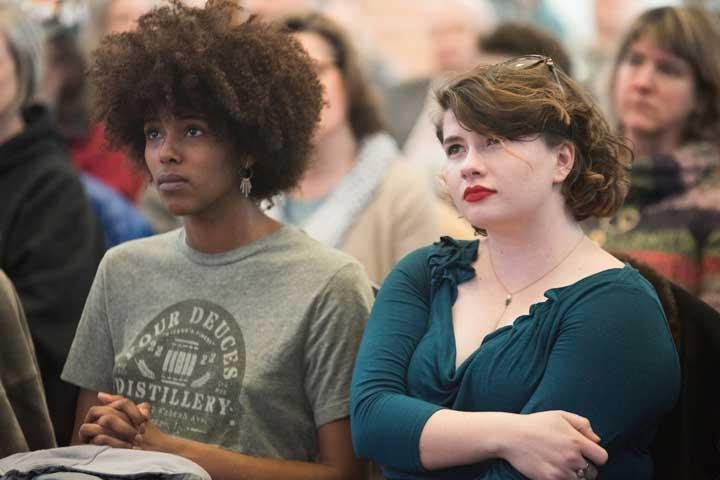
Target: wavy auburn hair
point(507, 103)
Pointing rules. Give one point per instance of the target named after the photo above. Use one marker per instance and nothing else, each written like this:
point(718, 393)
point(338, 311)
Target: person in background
point(65, 89)
point(515, 39)
point(454, 28)
point(50, 243)
point(666, 97)
point(357, 195)
point(541, 13)
point(89, 149)
point(24, 420)
point(611, 19)
point(229, 341)
point(530, 353)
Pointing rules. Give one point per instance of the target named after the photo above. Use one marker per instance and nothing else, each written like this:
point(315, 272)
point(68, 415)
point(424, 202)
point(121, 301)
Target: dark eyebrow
point(452, 138)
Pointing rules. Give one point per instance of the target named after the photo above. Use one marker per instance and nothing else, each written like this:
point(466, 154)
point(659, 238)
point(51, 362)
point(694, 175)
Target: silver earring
point(245, 183)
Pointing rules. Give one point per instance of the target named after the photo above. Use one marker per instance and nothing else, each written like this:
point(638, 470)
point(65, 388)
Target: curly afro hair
point(255, 86)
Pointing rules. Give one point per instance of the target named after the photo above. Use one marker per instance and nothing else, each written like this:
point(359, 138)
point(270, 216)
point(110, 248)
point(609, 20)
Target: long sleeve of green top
point(599, 348)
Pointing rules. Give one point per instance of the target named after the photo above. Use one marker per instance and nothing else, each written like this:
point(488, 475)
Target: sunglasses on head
point(525, 62)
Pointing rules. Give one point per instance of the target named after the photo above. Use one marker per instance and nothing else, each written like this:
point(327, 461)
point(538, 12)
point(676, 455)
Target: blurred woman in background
point(357, 195)
point(666, 96)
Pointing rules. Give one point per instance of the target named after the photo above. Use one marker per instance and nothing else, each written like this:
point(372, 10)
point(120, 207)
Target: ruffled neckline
point(451, 261)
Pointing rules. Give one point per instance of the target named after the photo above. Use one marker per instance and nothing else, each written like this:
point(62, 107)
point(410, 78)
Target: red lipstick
point(477, 193)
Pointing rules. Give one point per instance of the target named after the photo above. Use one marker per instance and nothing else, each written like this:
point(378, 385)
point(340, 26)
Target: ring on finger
point(588, 472)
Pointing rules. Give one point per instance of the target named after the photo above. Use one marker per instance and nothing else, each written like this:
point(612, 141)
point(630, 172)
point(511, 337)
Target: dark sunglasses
point(531, 61)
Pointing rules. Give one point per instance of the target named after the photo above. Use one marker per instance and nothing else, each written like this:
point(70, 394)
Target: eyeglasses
point(531, 61)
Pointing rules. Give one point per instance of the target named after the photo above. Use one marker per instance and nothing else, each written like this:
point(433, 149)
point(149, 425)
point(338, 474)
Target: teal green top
point(600, 348)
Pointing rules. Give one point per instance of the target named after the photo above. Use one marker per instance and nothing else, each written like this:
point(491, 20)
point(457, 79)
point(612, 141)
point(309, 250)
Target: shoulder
point(140, 251)
point(296, 245)
point(451, 259)
point(50, 171)
point(626, 279)
point(620, 298)
point(41, 154)
point(10, 309)
point(322, 275)
point(7, 291)
point(303, 257)
point(446, 259)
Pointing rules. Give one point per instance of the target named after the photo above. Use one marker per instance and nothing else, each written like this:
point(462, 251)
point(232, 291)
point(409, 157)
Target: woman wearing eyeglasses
point(530, 352)
point(666, 95)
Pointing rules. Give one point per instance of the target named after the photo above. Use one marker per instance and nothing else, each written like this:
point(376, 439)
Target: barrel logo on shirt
point(188, 363)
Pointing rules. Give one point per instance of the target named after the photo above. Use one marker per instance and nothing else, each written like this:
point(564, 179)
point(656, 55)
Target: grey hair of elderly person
point(24, 39)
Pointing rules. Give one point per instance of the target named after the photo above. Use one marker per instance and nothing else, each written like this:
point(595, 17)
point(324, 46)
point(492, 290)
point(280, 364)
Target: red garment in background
point(91, 156)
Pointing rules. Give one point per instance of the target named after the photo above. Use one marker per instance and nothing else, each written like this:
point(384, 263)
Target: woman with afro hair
point(231, 340)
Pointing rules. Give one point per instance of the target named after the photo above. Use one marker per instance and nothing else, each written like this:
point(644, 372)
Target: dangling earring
point(245, 183)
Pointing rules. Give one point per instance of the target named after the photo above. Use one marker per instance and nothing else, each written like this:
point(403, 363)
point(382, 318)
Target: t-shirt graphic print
point(251, 350)
point(188, 363)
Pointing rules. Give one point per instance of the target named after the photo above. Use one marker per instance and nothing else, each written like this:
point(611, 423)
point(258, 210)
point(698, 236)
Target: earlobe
point(565, 161)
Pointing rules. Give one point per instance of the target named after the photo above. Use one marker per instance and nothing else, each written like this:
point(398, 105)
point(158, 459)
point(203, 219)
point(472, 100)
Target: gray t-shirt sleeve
point(336, 322)
point(91, 359)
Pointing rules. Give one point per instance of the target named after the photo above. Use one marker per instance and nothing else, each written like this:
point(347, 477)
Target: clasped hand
point(554, 445)
point(117, 422)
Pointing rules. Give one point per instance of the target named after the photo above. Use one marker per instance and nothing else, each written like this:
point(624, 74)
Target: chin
point(177, 209)
point(640, 126)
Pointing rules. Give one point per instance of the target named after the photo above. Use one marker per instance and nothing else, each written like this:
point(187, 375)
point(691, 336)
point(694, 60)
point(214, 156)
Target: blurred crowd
point(372, 188)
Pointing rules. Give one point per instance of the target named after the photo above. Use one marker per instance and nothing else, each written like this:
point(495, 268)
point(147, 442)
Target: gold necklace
point(509, 297)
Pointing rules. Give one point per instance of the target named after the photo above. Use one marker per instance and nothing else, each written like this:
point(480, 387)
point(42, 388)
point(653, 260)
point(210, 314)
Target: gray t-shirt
point(251, 349)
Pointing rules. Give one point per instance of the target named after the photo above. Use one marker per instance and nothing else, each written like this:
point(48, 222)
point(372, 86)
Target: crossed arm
point(104, 419)
point(604, 360)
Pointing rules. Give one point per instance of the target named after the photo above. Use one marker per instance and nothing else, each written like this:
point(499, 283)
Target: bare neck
point(229, 228)
point(332, 159)
point(523, 253)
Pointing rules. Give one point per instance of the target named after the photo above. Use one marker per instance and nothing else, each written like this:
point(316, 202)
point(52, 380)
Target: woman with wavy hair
point(529, 352)
point(229, 341)
point(666, 97)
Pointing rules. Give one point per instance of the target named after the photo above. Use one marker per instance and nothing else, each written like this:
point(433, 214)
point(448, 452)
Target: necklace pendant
point(508, 300)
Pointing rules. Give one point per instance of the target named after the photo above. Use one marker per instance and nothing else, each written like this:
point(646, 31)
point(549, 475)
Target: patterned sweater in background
point(671, 218)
